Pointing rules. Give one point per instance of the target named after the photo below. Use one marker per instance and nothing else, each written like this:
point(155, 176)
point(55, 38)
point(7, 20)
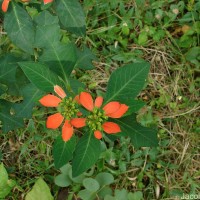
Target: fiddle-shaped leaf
point(63, 151)
point(86, 154)
point(19, 26)
point(71, 15)
point(9, 120)
point(40, 75)
point(127, 81)
point(140, 136)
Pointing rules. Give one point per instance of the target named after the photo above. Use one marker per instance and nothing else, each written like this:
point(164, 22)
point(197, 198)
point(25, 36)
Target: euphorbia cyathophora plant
point(37, 68)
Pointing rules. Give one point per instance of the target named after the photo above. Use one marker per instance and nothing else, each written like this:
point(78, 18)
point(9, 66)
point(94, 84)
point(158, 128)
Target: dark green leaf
point(30, 95)
point(47, 30)
point(85, 58)
point(127, 81)
point(71, 15)
point(40, 75)
point(140, 136)
point(10, 122)
point(8, 71)
point(86, 154)
point(63, 151)
point(19, 27)
point(60, 58)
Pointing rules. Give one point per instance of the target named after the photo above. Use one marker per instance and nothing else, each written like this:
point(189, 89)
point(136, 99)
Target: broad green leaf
point(10, 121)
point(5, 184)
point(46, 18)
point(91, 184)
point(140, 136)
point(104, 178)
point(63, 151)
point(30, 94)
point(40, 191)
point(127, 81)
point(19, 26)
point(8, 72)
point(85, 58)
point(60, 58)
point(86, 154)
point(71, 15)
point(47, 30)
point(40, 75)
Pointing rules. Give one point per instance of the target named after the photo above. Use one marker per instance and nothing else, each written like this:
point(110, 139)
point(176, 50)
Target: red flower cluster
point(55, 120)
point(96, 120)
point(113, 109)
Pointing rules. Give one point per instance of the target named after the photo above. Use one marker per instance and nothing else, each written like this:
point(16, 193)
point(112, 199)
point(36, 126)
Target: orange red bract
point(113, 109)
point(5, 5)
point(55, 120)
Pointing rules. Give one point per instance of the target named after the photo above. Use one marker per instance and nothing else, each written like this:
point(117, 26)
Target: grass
point(172, 103)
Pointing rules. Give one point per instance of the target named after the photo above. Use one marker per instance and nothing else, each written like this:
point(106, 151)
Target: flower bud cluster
point(68, 108)
point(96, 119)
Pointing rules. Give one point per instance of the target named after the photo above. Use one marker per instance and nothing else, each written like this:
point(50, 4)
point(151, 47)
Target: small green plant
point(44, 64)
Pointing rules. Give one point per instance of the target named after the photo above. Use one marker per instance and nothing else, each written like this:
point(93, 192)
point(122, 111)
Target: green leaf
point(19, 26)
point(71, 15)
point(121, 194)
point(104, 191)
point(85, 58)
point(63, 180)
point(60, 58)
point(40, 75)
point(135, 196)
point(5, 184)
point(86, 154)
point(127, 81)
point(140, 136)
point(143, 38)
point(193, 55)
point(8, 71)
point(86, 195)
point(63, 151)
point(30, 95)
point(10, 122)
point(91, 184)
point(40, 191)
point(47, 30)
point(104, 178)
